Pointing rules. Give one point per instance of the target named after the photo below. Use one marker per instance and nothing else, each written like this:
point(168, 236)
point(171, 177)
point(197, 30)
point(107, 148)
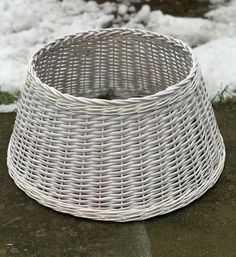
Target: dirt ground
point(205, 228)
point(188, 8)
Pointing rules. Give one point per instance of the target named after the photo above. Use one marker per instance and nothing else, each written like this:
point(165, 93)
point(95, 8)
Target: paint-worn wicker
point(124, 159)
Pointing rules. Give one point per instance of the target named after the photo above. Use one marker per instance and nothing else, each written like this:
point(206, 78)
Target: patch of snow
point(132, 9)
point(218, 64)
point(122, 9)
point(217, 1)
point(194, 31)
point(143, 16)
point(225, 13)
point(8, 107)
point(27, 25)
point(109, 8)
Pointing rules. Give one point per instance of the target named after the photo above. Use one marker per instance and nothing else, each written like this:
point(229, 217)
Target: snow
point(143, 16)
point(225, 14)
point(122, 9)
point(26, 25)
point(191, 30)
point(194, 31)
point(217, 1)
point(4, 108)
point(218, 65)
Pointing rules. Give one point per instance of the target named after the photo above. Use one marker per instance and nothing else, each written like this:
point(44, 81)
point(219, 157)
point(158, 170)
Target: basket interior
point(113, 66)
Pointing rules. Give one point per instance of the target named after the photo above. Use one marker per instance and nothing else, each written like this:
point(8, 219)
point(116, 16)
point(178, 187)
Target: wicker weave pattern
point(125, 159)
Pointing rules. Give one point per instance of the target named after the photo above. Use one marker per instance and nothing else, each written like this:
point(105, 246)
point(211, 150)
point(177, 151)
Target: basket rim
point(170, 90)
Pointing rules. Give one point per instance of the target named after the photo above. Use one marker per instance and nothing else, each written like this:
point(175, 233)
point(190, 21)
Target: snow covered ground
point(26, 25)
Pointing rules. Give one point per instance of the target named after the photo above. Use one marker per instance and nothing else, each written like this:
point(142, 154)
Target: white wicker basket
point(154, 149)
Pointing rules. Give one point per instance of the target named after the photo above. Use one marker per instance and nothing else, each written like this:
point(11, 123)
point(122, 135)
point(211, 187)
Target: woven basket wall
point(155, 147)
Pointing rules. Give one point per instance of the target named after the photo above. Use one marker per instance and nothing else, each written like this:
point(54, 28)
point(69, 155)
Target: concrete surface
point(206, 228)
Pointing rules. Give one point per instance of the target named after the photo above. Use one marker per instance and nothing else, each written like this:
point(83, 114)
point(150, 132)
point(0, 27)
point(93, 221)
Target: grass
point(7, 98)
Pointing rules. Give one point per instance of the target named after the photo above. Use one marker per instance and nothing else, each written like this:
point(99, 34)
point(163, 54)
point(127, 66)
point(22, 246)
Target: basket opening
point(114, 65)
